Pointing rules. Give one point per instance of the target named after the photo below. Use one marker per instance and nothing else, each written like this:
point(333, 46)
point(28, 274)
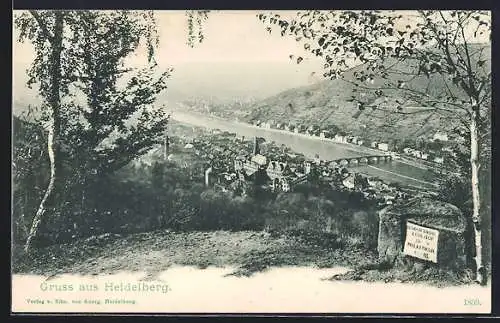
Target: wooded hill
point(331, 102)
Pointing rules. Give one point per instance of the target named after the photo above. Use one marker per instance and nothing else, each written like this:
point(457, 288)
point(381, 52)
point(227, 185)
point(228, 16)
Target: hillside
point(330, 102)
point(327, 103)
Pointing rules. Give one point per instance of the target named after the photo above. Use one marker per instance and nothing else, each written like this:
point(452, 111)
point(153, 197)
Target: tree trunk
point(53, 145)
point(481, 276)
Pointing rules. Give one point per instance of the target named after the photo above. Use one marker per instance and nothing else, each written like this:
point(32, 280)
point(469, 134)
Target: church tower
point(256, 148)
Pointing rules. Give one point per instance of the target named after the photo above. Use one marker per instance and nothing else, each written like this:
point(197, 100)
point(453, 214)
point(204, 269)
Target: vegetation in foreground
point(73, 204)
point(248, 252)
point(159, 213)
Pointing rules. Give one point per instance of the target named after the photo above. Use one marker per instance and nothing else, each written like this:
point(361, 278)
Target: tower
point(207, 176)
point(166, 144)
point(307, 167)
point(256, 148)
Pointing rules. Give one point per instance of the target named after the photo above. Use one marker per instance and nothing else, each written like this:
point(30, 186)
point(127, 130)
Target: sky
point(238, 58)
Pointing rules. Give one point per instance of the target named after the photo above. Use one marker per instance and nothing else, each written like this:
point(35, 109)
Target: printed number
point(473, 302)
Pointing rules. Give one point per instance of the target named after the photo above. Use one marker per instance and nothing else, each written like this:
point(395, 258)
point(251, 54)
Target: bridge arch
point(343, 162)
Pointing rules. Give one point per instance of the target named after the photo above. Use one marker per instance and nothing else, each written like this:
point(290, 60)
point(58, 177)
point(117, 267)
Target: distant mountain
point(219, 82)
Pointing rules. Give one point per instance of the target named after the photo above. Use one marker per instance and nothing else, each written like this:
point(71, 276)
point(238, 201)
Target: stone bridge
point(363, 160)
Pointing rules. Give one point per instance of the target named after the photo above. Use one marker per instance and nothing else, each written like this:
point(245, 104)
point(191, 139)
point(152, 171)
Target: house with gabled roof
point(276, 169)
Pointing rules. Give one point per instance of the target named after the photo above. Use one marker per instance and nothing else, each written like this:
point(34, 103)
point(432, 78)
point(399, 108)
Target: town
point(230, 162)
point(433, 149)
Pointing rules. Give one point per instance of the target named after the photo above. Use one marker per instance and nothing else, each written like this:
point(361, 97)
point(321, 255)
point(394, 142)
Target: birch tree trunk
point(53, 145)
point(476, 199)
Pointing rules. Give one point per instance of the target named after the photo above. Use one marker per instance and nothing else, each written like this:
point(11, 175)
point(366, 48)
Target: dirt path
point(247, 252)
point(153, 252)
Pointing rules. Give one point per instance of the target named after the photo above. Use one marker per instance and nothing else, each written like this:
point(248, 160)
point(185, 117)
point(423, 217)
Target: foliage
point(115, 123)
point(29, 172)
point(99, 114)
point(143, 198)
point(348, 38)
point(195, 20)
point(448, 69)
point(446, 59)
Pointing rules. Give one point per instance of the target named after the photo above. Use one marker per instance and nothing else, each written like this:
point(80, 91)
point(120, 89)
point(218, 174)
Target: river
point(395, 171)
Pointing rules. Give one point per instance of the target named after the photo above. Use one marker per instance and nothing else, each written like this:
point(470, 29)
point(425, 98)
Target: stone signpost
point(423, 230)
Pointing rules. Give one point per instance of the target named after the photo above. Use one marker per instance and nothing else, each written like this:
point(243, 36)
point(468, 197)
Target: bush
point(319, 216)
point(363, 229)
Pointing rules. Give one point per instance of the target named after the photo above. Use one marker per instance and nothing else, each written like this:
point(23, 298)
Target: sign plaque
point(421, 242)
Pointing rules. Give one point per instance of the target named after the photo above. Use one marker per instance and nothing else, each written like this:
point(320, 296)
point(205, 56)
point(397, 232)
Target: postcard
point(211, 161)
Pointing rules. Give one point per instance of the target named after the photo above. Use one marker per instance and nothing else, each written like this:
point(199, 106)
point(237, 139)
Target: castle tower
point(166, 147)
point(256, 148)
point(307, 167)
point(207, 176)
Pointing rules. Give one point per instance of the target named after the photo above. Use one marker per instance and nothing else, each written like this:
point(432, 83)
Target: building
point(349, 182)
point(441, 136)
point(373, 182)
point(285, 186)
point(424, 156)
point(317, 159)
point(307, 166)
point(333, 164)
point(289, 182)
point(439, 159)
point(383, 146)
point(277, 169)
point(259, 160)
point(250, 165)
point(374, 144)
point(340, 138)
point(416, 153)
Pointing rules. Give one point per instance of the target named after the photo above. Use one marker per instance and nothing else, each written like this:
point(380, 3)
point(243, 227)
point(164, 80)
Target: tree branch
point(469, 64)
point(416, 92)
point(42, 26)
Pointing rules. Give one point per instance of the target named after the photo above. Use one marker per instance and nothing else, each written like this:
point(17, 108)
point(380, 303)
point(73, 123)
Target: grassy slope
point(248, 252)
